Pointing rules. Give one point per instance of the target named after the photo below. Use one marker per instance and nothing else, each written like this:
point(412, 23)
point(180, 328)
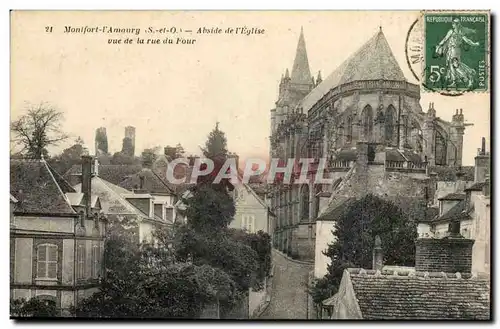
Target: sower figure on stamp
point(450, 47)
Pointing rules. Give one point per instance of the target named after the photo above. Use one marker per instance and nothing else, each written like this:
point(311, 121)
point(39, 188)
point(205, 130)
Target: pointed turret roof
point(301, 74)
point(373, 61)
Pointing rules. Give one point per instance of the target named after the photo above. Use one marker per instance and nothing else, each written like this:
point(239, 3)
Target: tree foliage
point(37, 129)
point(260, 242)
point(69, 157)
point(174, 152)
point(355, 231)
point(34, 307)
point(142, 283)
point(216, 150)
point(208, 210)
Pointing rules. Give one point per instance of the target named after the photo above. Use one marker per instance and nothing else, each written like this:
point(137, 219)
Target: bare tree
point(39, 128)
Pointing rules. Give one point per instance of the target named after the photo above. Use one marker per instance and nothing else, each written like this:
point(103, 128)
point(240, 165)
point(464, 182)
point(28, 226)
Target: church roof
point(301, 74)
point(373, 61)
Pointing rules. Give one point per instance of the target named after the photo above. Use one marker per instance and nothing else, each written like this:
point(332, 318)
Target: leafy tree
point(69, 157)
point(218, 250)
point(174, 152)
point(34, 307)
point(260, 242)
point(148, 156)
point(208, 210)
point(142, 283)
point(216, 150)
point(38, 129)
point(355, 231)
point(120, 158)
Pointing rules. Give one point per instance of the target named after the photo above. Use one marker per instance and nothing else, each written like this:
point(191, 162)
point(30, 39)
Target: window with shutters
point(47, 261)
point(169, 214)
point(248, 223)
point(96, 261)
point(80, 261)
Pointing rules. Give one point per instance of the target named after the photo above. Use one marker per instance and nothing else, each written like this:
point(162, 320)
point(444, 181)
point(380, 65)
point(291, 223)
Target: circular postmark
point(415, 58)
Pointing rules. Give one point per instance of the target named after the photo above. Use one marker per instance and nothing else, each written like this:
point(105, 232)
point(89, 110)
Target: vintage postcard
point(250, 165)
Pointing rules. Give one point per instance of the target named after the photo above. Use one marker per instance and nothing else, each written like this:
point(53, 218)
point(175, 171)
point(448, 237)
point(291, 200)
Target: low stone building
point(56, 235)
point(440, 288)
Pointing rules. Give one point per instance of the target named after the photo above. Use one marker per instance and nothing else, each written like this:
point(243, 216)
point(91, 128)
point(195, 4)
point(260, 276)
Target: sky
point(176, 93)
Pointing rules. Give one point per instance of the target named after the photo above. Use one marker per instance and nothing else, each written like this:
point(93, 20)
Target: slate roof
point(460, 211)
point(114, 174)
point(420, 296)
point(33, 184)
point(346, 155)
point(412, 156)
point(393, 155)
point(373, 61)
point(335, 212)
point(449, 174)
point(153, 183)
point(476, 187)
point(453, 196)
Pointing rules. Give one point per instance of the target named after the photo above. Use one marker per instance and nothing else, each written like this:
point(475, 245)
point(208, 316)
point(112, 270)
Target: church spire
point(300, 70)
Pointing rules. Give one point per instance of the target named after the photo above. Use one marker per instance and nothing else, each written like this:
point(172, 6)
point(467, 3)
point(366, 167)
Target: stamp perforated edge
point(488, 48)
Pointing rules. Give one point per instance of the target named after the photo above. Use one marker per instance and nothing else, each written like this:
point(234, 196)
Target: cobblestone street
point(289, 289)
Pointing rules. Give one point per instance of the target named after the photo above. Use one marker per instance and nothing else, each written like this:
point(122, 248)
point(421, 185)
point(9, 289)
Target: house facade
point(135, 211)
point(56, 235)
point(469, 202)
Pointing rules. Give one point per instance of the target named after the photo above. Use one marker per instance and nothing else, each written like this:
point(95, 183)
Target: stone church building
point(365, 108)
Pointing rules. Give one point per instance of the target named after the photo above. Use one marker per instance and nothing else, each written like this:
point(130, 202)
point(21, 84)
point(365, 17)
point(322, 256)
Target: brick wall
point(449, 255)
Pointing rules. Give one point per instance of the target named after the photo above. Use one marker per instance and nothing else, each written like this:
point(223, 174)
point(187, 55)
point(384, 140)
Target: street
point(289, 289)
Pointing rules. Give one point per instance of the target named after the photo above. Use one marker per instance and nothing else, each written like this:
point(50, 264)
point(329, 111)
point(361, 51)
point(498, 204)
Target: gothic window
point(96, 260)
point(348, 125)
point(440, 147)
point(367, 122)
point(305, 201)
point(390, 124)
point(80, 261)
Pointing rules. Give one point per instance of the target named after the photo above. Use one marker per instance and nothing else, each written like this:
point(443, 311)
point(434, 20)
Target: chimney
point(486, 187)
point(482, 163)
point(450, 254)
point(86, 183)
point(96, 167)
point(378, 256)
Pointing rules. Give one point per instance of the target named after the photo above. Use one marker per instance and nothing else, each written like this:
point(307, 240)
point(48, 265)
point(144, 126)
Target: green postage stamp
point(456, 51)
